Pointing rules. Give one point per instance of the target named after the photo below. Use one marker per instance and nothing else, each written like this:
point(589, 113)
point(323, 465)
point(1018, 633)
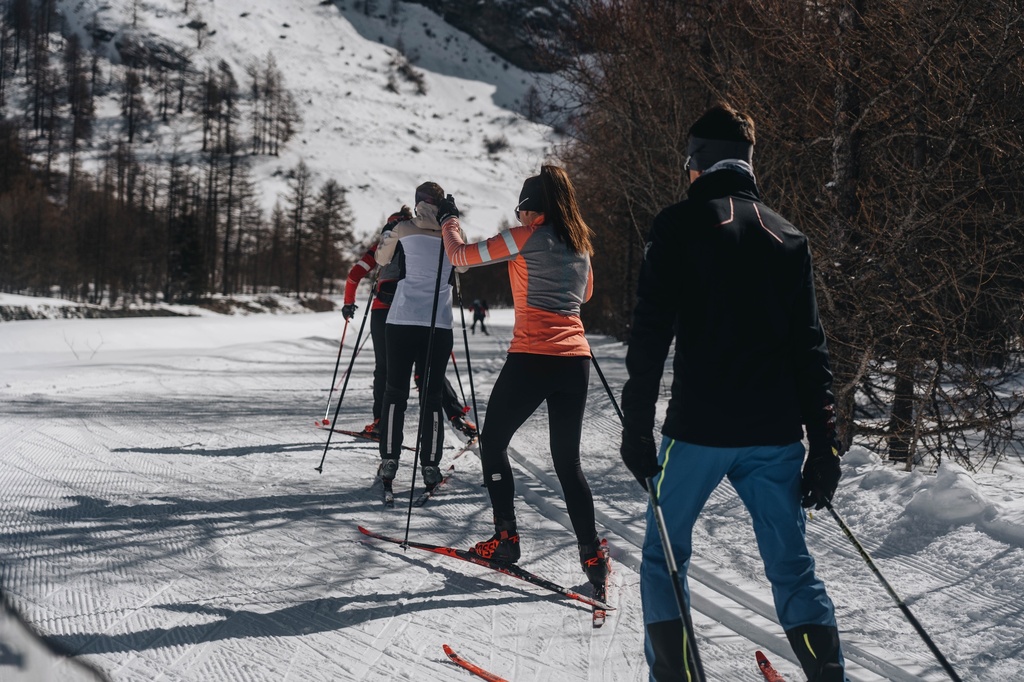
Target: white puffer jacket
point(416, 246)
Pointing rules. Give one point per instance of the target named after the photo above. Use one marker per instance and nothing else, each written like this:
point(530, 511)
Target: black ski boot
point(817, 647)
point(503, 545)
point(388, 469)
point(431, 476)
point(594, 560)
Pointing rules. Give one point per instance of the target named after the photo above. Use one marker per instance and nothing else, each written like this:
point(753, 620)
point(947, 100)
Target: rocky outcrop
point(511, 29)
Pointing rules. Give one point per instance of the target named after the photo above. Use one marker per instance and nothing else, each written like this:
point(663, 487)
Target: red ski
point(767, 669)
point(471, 667)
point(365, 436)
point(508, 569)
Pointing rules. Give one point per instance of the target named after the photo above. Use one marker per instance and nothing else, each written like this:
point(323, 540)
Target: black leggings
point(378, 324)
point(407, 346)
point(525, 382)
point(378, 321)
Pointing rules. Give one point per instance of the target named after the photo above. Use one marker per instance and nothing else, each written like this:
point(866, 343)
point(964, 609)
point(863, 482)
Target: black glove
point(447, 209)
point(640, 454)
point(821, 474)
point(348, 310)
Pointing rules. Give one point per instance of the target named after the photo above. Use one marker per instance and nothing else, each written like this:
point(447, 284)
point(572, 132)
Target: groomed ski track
point(165, 521)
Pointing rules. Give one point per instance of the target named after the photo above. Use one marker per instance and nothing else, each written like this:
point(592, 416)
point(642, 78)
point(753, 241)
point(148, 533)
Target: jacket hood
point(426, 217)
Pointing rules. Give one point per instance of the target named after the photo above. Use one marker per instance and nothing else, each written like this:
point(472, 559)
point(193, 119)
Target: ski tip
point(448, 650)
point(366, 532)
point(761, 658)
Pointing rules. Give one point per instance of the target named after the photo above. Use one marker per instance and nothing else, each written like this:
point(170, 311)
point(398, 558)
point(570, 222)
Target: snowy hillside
point(336, 61)
point(162, 520)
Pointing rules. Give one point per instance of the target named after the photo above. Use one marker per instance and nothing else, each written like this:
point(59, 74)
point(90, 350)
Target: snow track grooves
point(165, 519)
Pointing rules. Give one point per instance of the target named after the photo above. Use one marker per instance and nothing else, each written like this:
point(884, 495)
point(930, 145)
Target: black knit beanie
point(531, 198)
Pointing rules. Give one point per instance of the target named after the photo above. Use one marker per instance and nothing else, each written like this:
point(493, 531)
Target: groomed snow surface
point(162, 520)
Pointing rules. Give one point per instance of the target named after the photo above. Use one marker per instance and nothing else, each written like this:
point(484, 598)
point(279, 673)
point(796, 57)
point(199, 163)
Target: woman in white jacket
point(416, 248)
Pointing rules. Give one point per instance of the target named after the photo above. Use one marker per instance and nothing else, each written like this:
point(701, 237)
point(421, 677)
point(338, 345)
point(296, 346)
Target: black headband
point(705, 153)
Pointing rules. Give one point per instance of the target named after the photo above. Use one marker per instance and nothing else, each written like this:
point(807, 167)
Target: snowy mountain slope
point(163, 518)
point(336, 61)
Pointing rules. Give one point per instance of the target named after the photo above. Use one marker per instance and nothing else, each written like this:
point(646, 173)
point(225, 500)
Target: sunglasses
point(517, 211)
point(686, 166)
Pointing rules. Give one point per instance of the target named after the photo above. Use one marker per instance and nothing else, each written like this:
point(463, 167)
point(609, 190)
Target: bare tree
point(887, 134)
point(299, 198)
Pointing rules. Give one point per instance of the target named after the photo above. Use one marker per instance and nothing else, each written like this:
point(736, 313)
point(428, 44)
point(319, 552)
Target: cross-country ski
point(428, 493)
point(471, 667)
point(507, 569)
point(767, 669)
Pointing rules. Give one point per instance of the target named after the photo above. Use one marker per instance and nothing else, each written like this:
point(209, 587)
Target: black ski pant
point(378, 323)
point(407, 347)
point(526, 381)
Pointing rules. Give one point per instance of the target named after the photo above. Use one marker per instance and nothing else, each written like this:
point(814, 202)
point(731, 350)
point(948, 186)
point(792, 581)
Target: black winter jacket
point(732, 281)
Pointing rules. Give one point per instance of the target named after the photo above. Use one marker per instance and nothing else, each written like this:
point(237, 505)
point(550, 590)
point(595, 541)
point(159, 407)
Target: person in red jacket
point(385, 292)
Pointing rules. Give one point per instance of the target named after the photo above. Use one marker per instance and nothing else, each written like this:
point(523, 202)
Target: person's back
point(732, 282)
point(741, 289)
point(417, 242)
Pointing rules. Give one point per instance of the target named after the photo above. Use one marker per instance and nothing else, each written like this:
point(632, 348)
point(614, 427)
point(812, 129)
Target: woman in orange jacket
point(548, 258)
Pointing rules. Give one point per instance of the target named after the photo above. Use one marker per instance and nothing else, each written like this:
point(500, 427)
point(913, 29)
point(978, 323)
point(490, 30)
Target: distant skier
point(385, 292)
point(732, 282)
point(479, 310)
point(549, 358)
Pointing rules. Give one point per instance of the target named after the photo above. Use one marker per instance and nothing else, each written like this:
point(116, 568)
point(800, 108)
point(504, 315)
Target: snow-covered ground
point(162, 519)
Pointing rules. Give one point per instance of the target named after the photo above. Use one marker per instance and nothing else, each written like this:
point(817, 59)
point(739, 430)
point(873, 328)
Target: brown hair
point(429, 192)
point(562, 212)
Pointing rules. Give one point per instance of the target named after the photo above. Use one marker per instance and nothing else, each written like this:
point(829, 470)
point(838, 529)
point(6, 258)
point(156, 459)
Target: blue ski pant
point(767, 479)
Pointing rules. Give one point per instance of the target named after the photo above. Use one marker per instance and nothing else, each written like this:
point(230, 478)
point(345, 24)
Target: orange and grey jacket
point(549, 283)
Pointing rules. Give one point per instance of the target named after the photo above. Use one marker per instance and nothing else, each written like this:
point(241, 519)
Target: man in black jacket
point(731, 281)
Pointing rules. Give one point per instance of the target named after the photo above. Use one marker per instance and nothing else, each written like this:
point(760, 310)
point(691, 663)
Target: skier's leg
point(450, 403)
point(768, 481)
point(568, 380)
point(513, 399)
point(689, 475)
point(378, 320)
point(432, 436)
point(402, 344)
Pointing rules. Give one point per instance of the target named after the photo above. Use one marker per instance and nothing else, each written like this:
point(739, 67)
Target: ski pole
point(330, 393)
point(469, 362)
point(608, 389)
point(670, 558)
point(458, 378)
point(892, 593)
point(348, 373)
point(355, 352)
point(690, 653)
point(425, 393)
